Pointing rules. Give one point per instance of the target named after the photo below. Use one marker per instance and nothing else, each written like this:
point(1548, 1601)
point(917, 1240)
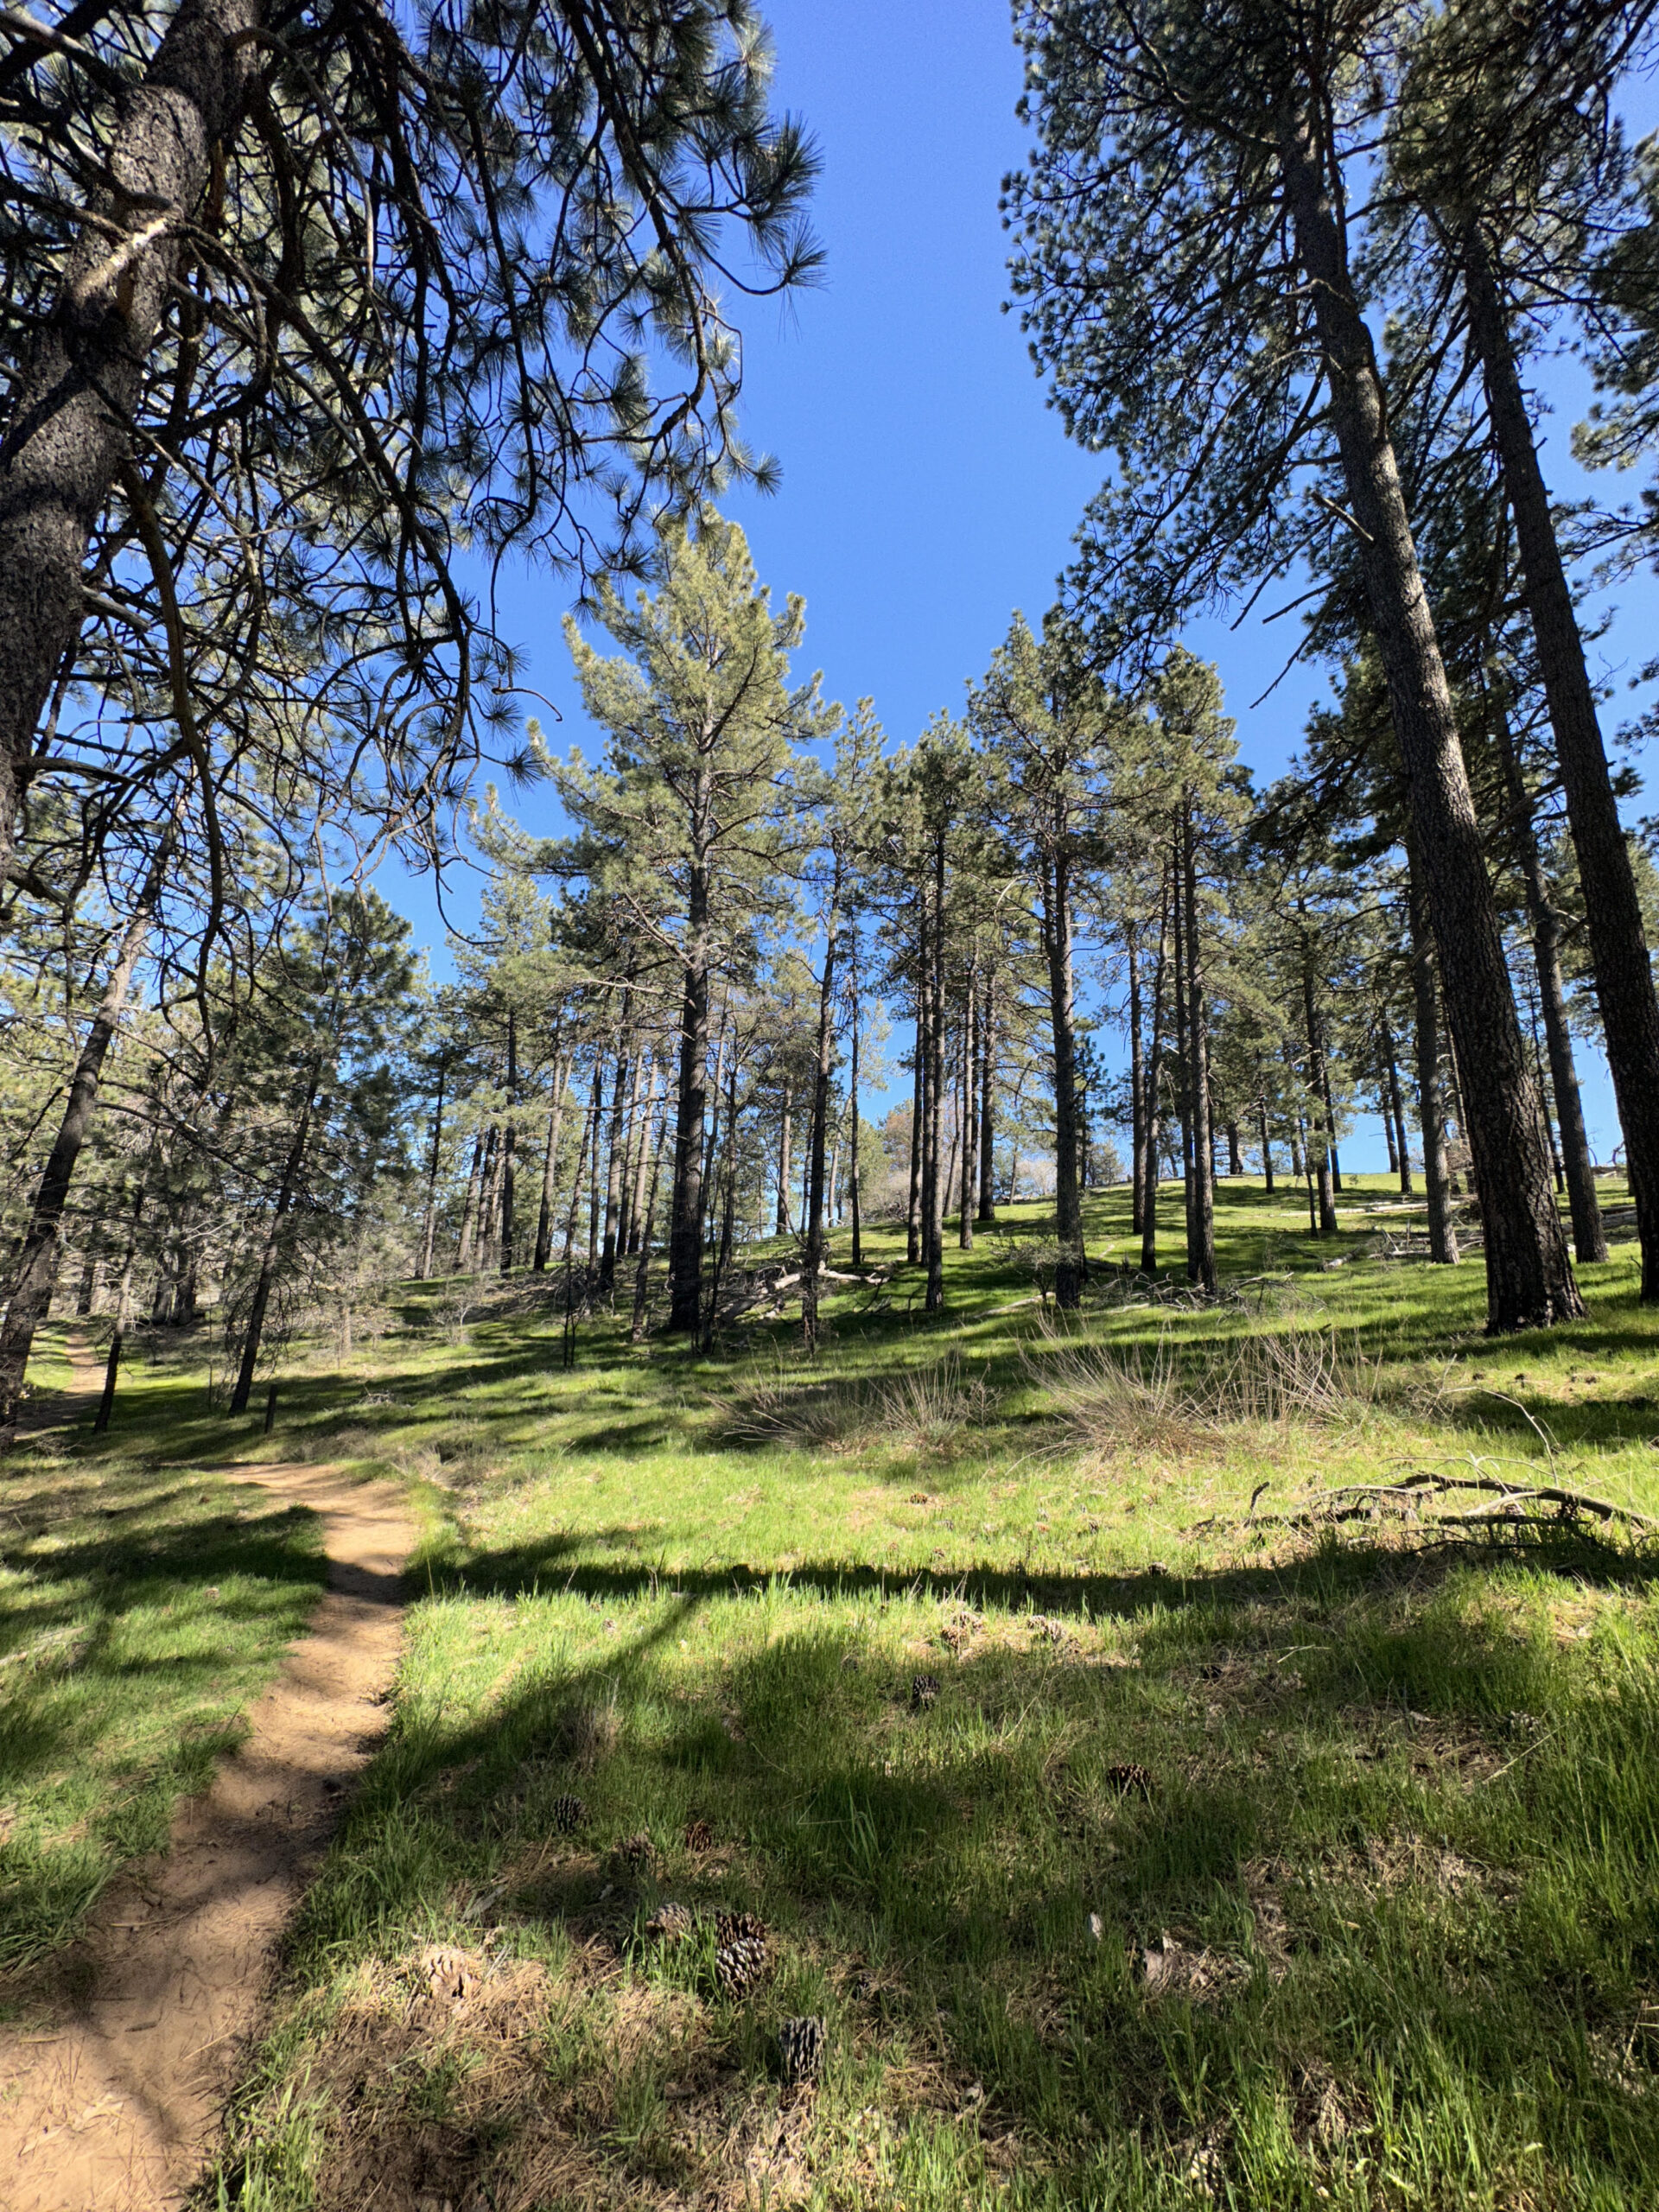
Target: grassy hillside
point(1226, 1851)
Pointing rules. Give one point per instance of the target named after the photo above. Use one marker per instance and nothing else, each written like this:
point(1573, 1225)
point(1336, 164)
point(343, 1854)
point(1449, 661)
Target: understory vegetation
point(1141, 1832)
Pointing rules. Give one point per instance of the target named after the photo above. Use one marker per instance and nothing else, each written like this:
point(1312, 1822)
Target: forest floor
point(1143, 1831)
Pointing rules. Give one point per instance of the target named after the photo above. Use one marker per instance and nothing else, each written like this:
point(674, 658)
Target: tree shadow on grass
point(1356, 1908)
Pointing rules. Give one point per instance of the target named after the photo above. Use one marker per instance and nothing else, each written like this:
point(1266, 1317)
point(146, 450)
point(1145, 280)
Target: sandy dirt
point(113, 2107)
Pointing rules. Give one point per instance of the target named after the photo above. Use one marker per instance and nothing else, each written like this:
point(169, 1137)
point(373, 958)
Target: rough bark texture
point(1137, 1101)
point(1618, 948)
point(1529, 1280)
point(73, 405)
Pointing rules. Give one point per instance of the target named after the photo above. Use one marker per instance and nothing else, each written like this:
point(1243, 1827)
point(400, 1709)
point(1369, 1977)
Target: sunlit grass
point(1378, 1929)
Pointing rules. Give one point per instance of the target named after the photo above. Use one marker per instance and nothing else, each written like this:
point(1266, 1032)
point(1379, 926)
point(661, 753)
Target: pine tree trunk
point(430, 1223)
point(918, 1091)
point(1397, 1109)
point(1589, 1237)
point(1154, 1071)
point(642, 1273)
point(632, 1161)
point(1318, 1144)
point(73, 402)
point(1202, 1258)
point(1330, 1114)
point(509, 1144)
point(468, 1208)
point(292, 1166)
point(489, 1224)
point(35, 1273)
point(685, 1218)
point(1529, 1280)
point(593, 1164)
point(1068, 1212)
point(932, 1177)
point(1137, 1102)
point(550, 1171)
point(122, 1301)
point(1618, 947)
point(988, 1104)
point(853, 1184)
point(647, 1121)
point(1442, 1233)
point(1183, 1048)
point(970, 1117)
point(1266, 1144)
point(626, 1075)
point(818, 1137)
point(782, 1226)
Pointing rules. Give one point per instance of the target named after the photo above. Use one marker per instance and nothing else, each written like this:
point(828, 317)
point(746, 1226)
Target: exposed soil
point(112, 2105)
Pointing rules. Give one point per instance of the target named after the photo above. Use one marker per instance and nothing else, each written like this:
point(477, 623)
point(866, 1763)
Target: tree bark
point(1529, 1280)
point(933, 1175)
point(852, 1192)
point(292, 1165)
point(1618, 947)
point(35, 1274)
point(988, 1104)
point(819, 1136)
point(1543, 918)
point(509, 1144)
point(685, 1216)
point(1068, 1214)
point(626, 1074)
point(1202, 1258)
point(1396, 1108)
point(1154, 1069)
point(74, 400)
point(429, 1226)
point(1437, 1184)
point(969, 1118)
point(1137, 1102)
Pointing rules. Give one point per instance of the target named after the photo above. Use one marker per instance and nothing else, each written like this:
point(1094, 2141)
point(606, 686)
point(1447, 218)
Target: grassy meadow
point(1143, 1834)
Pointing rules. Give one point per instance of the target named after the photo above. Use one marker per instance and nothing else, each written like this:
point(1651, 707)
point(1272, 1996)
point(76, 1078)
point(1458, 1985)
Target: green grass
point(142, 1605)
point(1382, 1934)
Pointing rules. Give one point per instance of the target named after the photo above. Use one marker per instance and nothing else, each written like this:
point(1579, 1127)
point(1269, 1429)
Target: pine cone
point(739, 1964)
point(924, 1691)
point(671, 1923)
point(635, 1852)
point(800, 2049)
point(1129, 1777)
point(734, 1927)
point(567, 1813)
point(698, 1835)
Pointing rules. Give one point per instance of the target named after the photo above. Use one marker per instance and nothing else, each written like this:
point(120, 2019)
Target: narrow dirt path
point(114, 2107)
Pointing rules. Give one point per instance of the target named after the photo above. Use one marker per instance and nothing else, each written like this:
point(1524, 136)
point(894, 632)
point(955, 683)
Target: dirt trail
point(112, 2107)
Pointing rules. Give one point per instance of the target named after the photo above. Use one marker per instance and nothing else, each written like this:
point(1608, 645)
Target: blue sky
point(927, 490)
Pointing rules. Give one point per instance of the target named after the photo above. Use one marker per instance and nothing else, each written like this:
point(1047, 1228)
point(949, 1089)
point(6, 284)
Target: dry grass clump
point(1113, 1401)
point(923, 1409)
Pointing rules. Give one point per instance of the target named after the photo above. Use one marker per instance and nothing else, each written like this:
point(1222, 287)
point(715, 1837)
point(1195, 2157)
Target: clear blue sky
point(927, 490)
